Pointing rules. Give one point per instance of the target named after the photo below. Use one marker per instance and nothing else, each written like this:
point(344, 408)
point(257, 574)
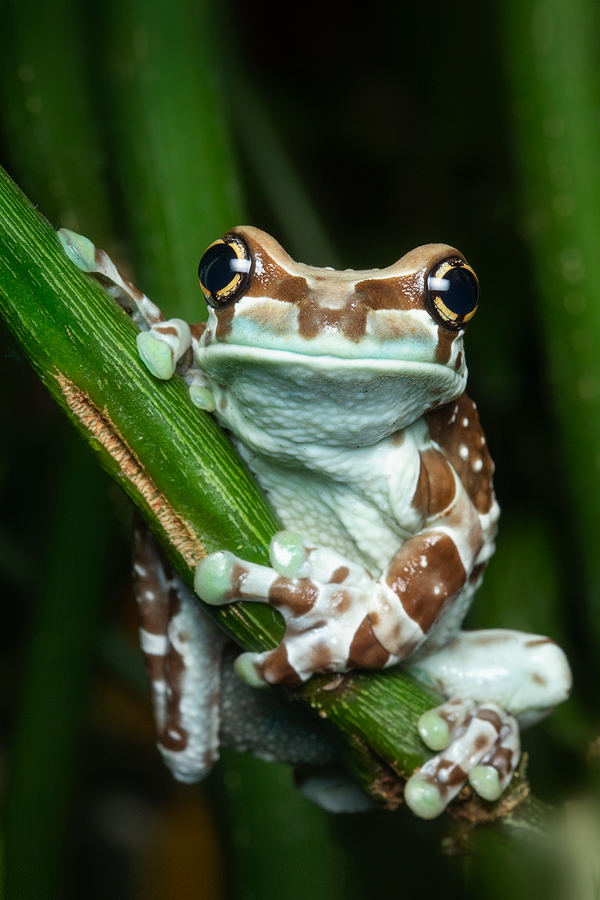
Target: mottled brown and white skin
point(345, 394)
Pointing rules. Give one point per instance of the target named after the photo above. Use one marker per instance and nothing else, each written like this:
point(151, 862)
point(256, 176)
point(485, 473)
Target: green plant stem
point(552, 53)
point(180, 470)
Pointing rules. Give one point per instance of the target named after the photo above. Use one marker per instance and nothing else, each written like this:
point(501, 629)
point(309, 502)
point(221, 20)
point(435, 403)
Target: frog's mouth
point(217, 356)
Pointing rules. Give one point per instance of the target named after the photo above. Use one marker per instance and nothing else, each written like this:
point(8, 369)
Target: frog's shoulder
point(456, 429)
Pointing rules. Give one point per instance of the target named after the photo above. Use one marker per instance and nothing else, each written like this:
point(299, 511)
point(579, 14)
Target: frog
point(344, 392)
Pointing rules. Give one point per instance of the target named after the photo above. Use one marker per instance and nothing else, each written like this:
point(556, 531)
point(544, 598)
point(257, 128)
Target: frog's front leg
point(162, 344)
point(323, 597)
point(511, 680)
point(338, 617)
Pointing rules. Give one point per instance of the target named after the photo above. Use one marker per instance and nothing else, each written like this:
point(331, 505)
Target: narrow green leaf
point(552, 56)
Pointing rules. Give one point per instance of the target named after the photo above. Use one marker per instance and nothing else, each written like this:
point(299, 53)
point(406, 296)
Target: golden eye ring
point(224, 271)
point(452, 293)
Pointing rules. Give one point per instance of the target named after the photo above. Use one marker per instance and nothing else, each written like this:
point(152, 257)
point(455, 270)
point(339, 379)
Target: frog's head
point(356, 354)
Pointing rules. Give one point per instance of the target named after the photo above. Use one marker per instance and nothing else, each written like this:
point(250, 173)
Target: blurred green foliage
point(477, 125)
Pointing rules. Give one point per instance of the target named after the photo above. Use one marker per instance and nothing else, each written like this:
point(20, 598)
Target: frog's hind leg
point(182, 650)
point(495, 681)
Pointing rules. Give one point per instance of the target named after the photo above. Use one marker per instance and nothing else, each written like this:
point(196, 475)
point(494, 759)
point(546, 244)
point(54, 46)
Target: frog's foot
point(479, 743)
point(163, 345)
point(323, 598)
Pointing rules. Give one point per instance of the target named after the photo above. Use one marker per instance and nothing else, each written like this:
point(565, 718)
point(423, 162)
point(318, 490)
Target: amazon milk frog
point(344, 392)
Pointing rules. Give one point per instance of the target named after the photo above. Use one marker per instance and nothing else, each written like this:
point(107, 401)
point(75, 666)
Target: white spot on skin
point(149, 595)
point(140, 570)
point(154, 644)
point(477, 465)
point(463, 452)
point(436, 589)
point(423, 562)
point(465, 423)
point(482, 440)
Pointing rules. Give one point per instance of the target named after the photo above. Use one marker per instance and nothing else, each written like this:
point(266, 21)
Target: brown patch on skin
point(502, 761)
point(446, 339)
point(365, 650)
point(420, 500)
point(174, 736)
point(153, 614)
point(321, 659)
point(314, 319)
point(447, 430)
point(238, 577)
point(480, 742)
point(488, 715)
point(197, 329)
point(340, 575)
point(539, 641)
point(341, 601)
point(457, 776)
point(290, 289)
point(539, 679)
point(459, 359)
point(454, 719)
point(441, 488)
point(279, 286)
point(104, 432)
point(276, 667)
point(392, 293)
point(397, 439)
point(415, 584)
point(224, 320)
point(298, 597)
point(166, 329)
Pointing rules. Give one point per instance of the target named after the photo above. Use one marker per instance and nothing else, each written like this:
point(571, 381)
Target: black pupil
point(462, 292)
point(215, 270)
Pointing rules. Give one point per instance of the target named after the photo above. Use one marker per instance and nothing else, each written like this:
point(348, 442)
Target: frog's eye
point(224, 271)
point(452, 293)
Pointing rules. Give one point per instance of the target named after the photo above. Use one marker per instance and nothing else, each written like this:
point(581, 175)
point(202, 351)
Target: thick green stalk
point(553, 62)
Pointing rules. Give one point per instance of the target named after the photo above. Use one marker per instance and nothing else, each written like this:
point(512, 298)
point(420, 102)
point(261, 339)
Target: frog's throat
point(215, 356)
point(321, 399)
